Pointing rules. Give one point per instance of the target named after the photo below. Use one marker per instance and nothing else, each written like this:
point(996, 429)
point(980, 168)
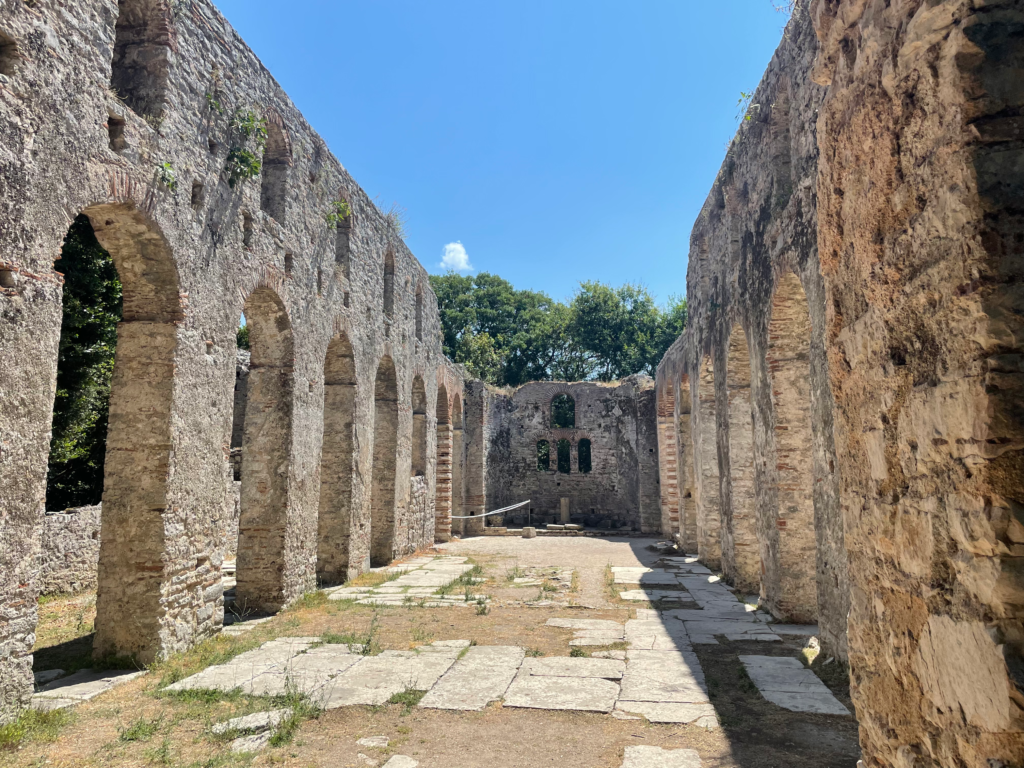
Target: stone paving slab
point(375, 679)
point(654, 579)
point(703, 632)
point(805, 630)
point(564, 666)
point(583, 694)
point(656, 757)
point(258, 721)
point(305, 673)
point(595, 637)
point(245, 667)
point(652, 595)
point(401, 761)
point(702, 715)
point(664, 677)
point(785, 681)
point(85, 684)
point(604, 624)
point(478, 678)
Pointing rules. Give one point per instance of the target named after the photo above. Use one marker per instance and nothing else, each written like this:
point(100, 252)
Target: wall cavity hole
point(346, 298)
point(197, 194)
point(209, 347)
point(212, 145)
point(115, 131)
point(7, 279)
point(8, 55)
point(289, 262)
point(246, 230)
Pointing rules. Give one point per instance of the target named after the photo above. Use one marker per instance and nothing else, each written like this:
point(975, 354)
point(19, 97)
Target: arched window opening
point(385, 447)
point(142, 53)
point(419, 312)
point(277, 163)
point(564, 457)
point(563, 412)
point(543, 456)
point(389, 284)
point(337, 463)
point(419, 428)
point(584, 456)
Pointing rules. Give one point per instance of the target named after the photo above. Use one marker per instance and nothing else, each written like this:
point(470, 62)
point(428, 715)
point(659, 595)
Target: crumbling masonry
point(839, 429)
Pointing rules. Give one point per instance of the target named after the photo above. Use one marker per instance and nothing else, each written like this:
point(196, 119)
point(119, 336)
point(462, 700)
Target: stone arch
point(443, 504)
point(277, 163)
point(741, 560)
point(385, 452)
point(705, 456)
point(668, 459)
point(687, 492)
point(140, 67)
point(131, 614)
point(389, 284)
point(790, 578)
point(458, 458)
point(563, 411)
point(266, 454)
point(419, 427)
point(337, 463)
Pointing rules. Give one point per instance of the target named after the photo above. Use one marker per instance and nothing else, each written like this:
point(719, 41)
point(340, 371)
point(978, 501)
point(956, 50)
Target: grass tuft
point(34, 725)
point(140, 730)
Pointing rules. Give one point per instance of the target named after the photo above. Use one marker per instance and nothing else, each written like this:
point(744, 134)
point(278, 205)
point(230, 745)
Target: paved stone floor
point(651, 641)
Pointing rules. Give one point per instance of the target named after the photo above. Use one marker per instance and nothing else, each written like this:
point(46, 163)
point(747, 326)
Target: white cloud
point(456, 258)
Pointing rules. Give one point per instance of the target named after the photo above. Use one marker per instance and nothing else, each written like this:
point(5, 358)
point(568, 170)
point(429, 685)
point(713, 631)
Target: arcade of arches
point(837, 433)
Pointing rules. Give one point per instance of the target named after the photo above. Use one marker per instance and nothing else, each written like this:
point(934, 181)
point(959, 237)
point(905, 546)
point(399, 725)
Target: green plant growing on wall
point(214, 104)
point(167, 178)
point(244, 159)
point(745, 109)
point(340, 211)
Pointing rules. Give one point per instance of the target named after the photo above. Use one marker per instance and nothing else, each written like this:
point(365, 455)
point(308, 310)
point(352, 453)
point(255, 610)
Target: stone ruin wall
point(70, 551)
point(744, 406)
point(620, 491)
point(921, 239)
point(343, 316)
point(888, 269)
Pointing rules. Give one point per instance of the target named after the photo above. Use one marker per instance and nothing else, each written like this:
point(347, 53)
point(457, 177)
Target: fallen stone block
point(254, 723)
point(656, 757)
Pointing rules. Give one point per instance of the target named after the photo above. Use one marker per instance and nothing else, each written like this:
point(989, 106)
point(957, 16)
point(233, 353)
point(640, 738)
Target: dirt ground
point(136, 725)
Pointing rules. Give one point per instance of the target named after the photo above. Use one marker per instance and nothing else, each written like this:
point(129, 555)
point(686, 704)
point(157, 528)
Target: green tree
point(504, 336)
point(85, 363)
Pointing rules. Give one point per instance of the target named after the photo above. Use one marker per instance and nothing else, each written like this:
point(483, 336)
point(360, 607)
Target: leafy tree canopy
point(509, 337)
point(88, 338)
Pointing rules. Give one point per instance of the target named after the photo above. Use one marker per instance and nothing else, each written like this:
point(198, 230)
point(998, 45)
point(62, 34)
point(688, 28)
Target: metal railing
point(495, 512)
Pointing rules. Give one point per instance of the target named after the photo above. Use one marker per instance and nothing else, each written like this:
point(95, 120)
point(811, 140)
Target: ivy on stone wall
point(88, 338)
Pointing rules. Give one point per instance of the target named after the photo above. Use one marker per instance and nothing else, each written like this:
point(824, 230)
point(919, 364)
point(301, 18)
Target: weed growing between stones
point(140, 730)
point(34, 725)
point(534, 653)
point(578, 653)
point(514, 573)
point(216, 650)
point(409, 698)
point(302, 709)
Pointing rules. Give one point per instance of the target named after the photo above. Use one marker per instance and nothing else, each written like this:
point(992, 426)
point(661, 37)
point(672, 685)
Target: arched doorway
point(443, 503)
point(385, 446)
point(741, 559)
point(266, 453)
point(790, 571)
point(334, 523)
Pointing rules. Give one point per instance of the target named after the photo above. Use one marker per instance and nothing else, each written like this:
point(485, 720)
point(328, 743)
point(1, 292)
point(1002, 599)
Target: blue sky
point(557, 141)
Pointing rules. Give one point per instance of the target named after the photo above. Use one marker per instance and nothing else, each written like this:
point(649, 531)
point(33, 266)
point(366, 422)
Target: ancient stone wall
point(853, 284)
point(744, 394)
point(615, 421)
point(135, 113)
point(70, 552)
point(921, 238)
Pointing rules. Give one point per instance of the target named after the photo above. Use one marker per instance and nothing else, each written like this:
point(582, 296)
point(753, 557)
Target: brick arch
point(706, 472)
point(337, 462)
point(741, 560)
point(383, 499)
point(130, 613)
point(790, 579)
